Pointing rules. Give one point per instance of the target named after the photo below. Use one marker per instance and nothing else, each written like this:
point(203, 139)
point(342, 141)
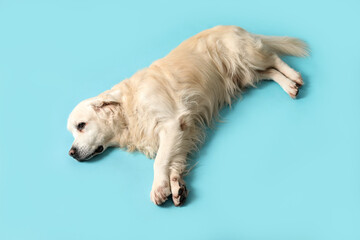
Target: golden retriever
point(163, 110)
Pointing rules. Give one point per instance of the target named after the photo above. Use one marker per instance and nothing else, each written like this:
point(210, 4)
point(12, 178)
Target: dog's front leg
point(169, 145)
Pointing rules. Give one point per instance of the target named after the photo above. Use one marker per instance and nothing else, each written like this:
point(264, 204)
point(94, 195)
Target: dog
point(163, 110)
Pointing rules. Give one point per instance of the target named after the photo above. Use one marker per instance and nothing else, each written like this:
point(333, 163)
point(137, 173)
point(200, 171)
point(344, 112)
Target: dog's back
point(211, 68)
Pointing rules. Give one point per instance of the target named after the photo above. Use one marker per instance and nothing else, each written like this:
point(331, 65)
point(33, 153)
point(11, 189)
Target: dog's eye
point(81, 126)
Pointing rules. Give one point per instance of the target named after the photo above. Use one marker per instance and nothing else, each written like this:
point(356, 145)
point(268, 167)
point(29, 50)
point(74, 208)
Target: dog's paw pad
point(179, 193)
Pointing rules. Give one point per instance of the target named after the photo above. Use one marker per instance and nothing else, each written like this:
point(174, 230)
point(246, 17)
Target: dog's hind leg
point(290, 73)
point(288, 85)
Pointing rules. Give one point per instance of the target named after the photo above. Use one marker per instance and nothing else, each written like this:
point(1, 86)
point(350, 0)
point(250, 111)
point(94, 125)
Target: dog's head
point(93, 125)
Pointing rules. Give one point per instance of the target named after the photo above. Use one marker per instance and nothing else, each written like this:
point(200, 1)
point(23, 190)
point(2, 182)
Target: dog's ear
point(106, 108)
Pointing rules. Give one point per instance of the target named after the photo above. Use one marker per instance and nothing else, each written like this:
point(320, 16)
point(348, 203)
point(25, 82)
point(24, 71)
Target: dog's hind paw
point(298, 79)
point(293, 91)
point(291, 88)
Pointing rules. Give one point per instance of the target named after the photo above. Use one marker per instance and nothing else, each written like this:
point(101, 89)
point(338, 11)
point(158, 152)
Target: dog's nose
point(73, 152)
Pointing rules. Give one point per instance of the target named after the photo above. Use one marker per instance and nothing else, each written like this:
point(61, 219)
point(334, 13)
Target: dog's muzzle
point(75, 153)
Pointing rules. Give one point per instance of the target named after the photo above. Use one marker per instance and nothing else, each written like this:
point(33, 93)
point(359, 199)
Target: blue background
point(277, 168)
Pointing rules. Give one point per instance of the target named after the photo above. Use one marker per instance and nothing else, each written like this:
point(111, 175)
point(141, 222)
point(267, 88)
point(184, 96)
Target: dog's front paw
point(179, 190)
point(160, 192)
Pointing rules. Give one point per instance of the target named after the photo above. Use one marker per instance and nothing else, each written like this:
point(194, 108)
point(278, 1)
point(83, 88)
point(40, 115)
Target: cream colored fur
point(162, 110)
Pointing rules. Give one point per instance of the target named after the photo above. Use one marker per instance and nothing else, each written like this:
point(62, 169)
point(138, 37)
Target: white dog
point(162, 110)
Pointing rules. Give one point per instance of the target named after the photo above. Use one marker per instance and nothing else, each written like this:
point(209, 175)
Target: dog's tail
point(285, 45)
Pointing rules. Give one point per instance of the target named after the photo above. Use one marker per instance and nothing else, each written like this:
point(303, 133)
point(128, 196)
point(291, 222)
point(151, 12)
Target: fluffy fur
point(162, 110)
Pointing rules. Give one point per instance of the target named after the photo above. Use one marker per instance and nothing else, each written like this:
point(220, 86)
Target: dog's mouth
point(97, 151)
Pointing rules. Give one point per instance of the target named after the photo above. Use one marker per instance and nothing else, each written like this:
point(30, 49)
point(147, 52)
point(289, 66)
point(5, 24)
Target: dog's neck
point(131, 131)
point(120, 122)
